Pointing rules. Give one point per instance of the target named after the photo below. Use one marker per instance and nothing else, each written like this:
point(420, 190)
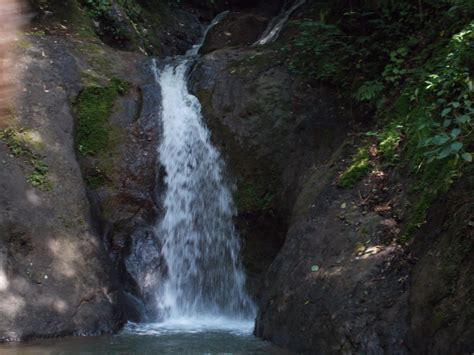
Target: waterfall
point(200, 246)
point(276, 25)
point(195, 49)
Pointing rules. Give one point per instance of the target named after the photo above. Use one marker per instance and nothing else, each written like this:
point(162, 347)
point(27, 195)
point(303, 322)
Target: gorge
point(239, 177)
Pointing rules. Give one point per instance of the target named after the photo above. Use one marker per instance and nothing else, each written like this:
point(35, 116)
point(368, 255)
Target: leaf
point(455, 132)
point(446, 111)
point(440, 139)
point(467, 157)
point(456, 146)
point(444, 153)
point(463, 119)
point(425, 143)
point(446, 123)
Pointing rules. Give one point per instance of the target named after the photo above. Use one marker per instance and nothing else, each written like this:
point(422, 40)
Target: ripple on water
point(211, 335)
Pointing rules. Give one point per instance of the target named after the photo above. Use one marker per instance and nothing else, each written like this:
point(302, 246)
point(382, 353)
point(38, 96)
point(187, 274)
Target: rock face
point(340, 282)
point(55, 276)
point(442, 281)
point(235, 30)
point(269, 138)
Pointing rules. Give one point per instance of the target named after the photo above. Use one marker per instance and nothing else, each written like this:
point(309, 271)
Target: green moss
point(19, 144)
point(96, 138)
point(359, 168)
point(93, 107)
point(39, 177)
point(96, 55)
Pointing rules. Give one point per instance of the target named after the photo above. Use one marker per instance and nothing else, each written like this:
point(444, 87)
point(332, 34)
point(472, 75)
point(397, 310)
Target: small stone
point(315, 268)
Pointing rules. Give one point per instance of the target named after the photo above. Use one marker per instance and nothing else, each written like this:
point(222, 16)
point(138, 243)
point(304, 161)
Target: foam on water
point(239, 327)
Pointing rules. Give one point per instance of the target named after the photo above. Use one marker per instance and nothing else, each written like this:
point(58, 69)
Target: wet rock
point(270, 128)
point(442, 284)
point(236, 29)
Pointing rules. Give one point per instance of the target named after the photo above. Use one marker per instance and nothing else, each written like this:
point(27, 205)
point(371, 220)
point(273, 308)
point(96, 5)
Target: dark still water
point(185, 336)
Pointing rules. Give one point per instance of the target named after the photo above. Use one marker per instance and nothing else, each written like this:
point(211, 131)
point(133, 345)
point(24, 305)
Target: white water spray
point(201, 248)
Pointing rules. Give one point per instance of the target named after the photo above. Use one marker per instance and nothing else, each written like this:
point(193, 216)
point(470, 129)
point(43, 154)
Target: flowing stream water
point(200, 246)
point(275, 26)
point(201, 303)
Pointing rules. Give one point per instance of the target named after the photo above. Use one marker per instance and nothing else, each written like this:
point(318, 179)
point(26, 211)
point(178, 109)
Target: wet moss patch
point(93, 107)
point(19, 144)
point(96, 138)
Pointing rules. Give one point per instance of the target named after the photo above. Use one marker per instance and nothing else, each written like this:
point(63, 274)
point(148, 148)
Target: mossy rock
point(96, 138)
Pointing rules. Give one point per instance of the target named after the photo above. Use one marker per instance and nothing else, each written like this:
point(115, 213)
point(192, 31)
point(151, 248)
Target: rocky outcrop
point(442, 281)
point(325, 263)
point(55, 276)
point(269, 139)
point(154, 28)
point(236, 29)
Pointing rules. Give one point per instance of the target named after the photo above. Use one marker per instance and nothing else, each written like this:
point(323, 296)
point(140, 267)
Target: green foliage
point(132, 9)
point(388, 141)
point(358, 169)
point(97, 8)
point(39, 176)
point(413, 61)
point(16, 142)
point(395, 71)
point(113, 24)
point(368, 91)
point(93, 107)
point(449, 90)
point(322, 50)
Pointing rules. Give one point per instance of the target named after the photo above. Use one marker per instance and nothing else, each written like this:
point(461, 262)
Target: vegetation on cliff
point(22, 145)
point(410, 64)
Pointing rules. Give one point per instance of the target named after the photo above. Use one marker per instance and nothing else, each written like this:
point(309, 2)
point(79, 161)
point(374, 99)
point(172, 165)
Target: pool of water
point(180, 336)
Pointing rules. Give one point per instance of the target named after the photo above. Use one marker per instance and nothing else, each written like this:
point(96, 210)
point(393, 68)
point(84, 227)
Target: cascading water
point(200, 246)
point(276, 25)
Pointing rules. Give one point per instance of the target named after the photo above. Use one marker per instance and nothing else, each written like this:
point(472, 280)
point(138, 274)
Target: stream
point(216, 336)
